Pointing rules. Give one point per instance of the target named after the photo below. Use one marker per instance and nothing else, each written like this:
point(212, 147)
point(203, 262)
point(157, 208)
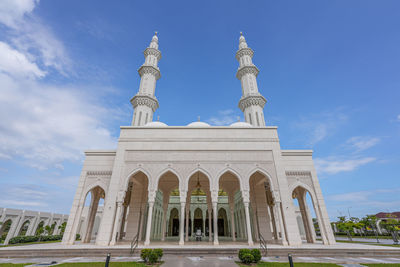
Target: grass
point(381, 264)
point(14, 265)
point(29, 243)
point(286, 264)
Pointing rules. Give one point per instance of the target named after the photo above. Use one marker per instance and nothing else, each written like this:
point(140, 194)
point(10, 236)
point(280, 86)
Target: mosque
point(198, 183)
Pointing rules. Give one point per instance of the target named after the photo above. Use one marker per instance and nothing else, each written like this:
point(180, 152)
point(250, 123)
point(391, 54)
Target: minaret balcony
point(149, 69)
point(152, 51)
point(243, 52)
point(245, 70)
point(252, 100)
point(144, 100)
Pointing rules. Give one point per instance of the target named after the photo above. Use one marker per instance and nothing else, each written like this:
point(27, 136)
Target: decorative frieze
point(244, 51)
point(145, 100)
point(298, 173)
point(99, 173)
point(245, 70)
point(252, 100)
point(149, 69)
point(152, 51)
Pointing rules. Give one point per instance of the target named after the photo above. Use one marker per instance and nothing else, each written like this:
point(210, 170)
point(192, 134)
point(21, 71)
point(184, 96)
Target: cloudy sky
point(329, 69)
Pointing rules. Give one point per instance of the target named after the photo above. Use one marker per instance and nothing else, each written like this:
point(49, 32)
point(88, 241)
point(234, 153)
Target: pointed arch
point(90, 187)
point(305, 187)
point(133, 173)
point(263, 172)
point(231, 171)
point(201, 170)
point(162, 173)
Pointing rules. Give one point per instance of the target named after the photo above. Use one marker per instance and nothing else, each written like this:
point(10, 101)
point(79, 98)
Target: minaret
point(145, 102)
point(251, 102)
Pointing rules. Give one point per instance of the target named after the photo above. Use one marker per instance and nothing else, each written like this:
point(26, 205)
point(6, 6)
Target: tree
point(392, 226)
point(370, 224)
point(62, 228)
point(346, 226)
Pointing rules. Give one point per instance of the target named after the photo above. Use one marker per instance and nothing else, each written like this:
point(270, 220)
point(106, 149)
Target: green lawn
point(30, 243)
point(368, 243)
point(84, 264)
point(286, 264)
point(381, 264)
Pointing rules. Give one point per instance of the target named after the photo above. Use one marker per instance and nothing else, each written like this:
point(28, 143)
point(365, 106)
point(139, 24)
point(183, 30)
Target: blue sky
point(329, 69)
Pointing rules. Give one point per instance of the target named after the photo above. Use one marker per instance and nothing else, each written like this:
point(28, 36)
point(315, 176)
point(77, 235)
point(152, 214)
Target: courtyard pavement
point(181, 261)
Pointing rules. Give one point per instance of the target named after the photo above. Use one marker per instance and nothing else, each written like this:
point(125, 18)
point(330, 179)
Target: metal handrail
point(263, 244)
point(134, 243)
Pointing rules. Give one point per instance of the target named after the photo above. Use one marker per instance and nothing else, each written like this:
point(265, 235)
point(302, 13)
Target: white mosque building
point(217, 184)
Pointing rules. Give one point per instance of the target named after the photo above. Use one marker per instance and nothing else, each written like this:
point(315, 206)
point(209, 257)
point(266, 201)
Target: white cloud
point(360, 143)
point(16, 63)
point(22, 195)
point(333, 165)
point(398, 117)
point(12, 12)
point(224, 118)
point(318, 127)
point(46, 125)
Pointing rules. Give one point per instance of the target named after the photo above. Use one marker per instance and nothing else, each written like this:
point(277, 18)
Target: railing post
point(108, 259)
point(290, 260)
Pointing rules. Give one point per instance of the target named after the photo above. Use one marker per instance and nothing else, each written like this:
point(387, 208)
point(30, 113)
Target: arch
point(24, 227)
point(263, 172)
point(91, 187)
point(6, 224)
point(133, 173)
point(233, 172)
point(201, 170)
point(40, 225)
point(163, 172)
point(305, 187)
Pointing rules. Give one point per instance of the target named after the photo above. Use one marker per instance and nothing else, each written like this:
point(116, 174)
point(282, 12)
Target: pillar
point(204, 226)
point(12, 230)
point(306, 220)
point(247, 213)
point(187, 225)
point(164, 221)
point(117, 224)
point(92, 215)
point(280, 219)
point(233, 230)
point(209, 225)
point(192, 221)
point(181, 222)
point(148, 226)
point(215, 211)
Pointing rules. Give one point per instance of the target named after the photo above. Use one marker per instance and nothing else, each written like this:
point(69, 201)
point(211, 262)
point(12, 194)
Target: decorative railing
point(134, 243)
point(263, 244)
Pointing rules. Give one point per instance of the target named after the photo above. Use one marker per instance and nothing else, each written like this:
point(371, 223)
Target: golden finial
point(155, 33)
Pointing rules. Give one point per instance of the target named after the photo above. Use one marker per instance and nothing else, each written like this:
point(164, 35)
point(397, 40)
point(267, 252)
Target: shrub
point(248, 258)
point(242, 252)
point(34, 238)
point(153, 257)
point(159, 253)
point(256, 255)
point(78, 237)
point(145, 254)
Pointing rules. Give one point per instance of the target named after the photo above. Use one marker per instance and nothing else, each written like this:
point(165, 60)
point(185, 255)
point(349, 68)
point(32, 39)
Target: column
point(92, 215)
point(117, 224)
point(187, 225)
point(247, 213)
point(164, 221)
point(233, 230)
point(305, 218)
point(215, 211)
point(148, 226)
point(12, 230)
point(204, 226)
point(21, 221)
point(280, 219)
point(32, 226)
point(181, 222)
point(209, 224)
point(192, 221)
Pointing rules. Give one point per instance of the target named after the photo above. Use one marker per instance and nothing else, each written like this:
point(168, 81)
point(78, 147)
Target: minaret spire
point(252, 102)
point(144, 102)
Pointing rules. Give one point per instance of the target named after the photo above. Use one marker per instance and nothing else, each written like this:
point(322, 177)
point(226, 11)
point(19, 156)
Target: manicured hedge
point(34, 238)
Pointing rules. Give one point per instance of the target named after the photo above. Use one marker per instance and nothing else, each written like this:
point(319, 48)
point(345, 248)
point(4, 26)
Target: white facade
point(157, 171)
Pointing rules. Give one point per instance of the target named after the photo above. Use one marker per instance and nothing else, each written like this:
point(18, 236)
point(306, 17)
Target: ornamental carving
point(252, 100)
point(244, 51)
point(245, 70)
point(298, 173)
point(152, 51)
point(99, 173)
point(145, 69)
point(144, 100)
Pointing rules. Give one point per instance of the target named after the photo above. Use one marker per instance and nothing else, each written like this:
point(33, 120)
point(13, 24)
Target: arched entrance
point(167, 198)
point(232, 224)
point(135, 209)
point(95, 197)
point(262, 211)
point(173, 223)
point(301, 199)
point(198, 200)
point(4, 229)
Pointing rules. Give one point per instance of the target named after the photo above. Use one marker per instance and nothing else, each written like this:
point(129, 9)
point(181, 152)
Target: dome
point(241, 124)
point(198, 124)
point(155, 124)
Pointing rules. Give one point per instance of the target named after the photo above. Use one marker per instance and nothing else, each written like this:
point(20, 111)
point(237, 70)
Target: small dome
point(241, 124)
point(198, 124)
point(155, 124)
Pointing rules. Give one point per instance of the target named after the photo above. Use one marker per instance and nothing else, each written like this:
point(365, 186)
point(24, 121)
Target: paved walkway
point(368, 240)
point(181, 261)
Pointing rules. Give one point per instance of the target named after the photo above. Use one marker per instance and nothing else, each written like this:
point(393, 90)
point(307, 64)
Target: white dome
point(198, 124)
point(155, 124)
point(241, 124)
